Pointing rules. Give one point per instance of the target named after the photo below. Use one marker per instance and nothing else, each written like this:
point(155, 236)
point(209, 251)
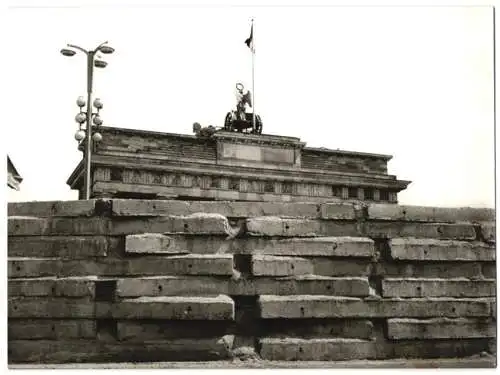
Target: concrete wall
point(136, 280)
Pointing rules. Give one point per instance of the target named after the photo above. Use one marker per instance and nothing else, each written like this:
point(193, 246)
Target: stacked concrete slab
point(115, 280)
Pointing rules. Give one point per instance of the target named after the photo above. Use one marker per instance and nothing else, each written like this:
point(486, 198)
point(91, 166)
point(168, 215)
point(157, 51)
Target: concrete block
point(429, 249)
point(338, 211)
point(323, 349)
point(439, 328)
point(33, 267)
point(381, 211)
point(143, 207)
point(52, 286)
point(141, 331)
point(192, 286)
point(101, 267)
point(31, 287)
point(337, 228)
point(26, 226)
point(132, 207)
point(199, 224)
point(60, 246)
point(488, 231)
point(56, 208)
point(33, 329)
point(76, 286)
point(307, 306)
point(318, 328)
point(382, 229)
point(256, 209)
point(319, 246)
point(172, 286)
point(198, 244)
point(492, 346)
point(309, 285)
point(450, 269)
point(437, 348)
point(152, 243)
point(489, 270)
point(269, 265)
point(416, 287)
point(277, 226)
point(339, 267)
point(95, 351)
point(191, 264)
point(55, 308)
point(177, 308)
point(78, 226)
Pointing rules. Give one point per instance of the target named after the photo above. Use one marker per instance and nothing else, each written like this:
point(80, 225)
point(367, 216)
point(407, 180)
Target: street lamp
point(88, 116)
point(81, 118)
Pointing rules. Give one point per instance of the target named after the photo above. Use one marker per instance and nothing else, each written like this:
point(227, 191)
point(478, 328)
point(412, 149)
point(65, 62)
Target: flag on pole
point(249, 41)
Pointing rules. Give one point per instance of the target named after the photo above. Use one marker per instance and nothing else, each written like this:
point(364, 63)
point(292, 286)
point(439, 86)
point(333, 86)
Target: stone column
point(224, 183)
point(345, 192)
point(361, 193)
point(393, 198)
point(243, 185)
point(376, 195)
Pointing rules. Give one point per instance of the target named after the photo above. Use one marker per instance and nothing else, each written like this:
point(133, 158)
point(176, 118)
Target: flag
point(249, 41)
point(13, 177)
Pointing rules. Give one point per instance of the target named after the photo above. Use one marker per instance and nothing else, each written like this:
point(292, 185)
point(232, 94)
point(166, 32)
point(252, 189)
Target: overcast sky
point(412, 82)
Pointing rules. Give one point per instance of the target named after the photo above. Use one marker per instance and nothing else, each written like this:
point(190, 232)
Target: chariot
point(234, 123)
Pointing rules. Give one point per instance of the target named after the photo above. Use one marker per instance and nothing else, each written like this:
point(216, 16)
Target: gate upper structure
point(226, 165)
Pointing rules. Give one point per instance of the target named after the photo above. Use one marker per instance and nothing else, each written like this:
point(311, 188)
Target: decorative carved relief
point(352, 192)
point(269, 186)
point(234, 184)
point(384, 195)
point(215, 183)
point(287, 188)
point(196, 182)
point(157, 178)
point(176, 180)
point(369, 194)
point(243, 185)
point(361, 193)
point(337, 191)
point(116, 174)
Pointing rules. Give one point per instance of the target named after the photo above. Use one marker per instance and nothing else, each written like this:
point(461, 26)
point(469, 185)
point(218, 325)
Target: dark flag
point(249, 41)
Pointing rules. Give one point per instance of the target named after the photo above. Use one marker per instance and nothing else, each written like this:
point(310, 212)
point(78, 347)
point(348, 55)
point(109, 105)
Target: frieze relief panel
point(184, 180)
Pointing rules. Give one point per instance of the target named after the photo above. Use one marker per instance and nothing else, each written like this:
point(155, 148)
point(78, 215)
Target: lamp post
point(87, 116)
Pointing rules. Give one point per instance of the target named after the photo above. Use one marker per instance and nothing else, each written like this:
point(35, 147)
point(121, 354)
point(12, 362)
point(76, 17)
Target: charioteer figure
point(239, 120)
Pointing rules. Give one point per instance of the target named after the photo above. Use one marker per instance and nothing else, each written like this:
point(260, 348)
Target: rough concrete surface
point(249, 284)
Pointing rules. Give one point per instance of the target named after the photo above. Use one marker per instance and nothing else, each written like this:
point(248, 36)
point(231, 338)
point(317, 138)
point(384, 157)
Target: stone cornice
point(253, 139)
point(322, 150)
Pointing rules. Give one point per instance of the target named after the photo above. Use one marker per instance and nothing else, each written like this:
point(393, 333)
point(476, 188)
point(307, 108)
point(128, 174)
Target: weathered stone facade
point(233, 166)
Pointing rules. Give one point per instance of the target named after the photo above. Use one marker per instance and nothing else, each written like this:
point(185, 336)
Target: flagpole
point(253, 81)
